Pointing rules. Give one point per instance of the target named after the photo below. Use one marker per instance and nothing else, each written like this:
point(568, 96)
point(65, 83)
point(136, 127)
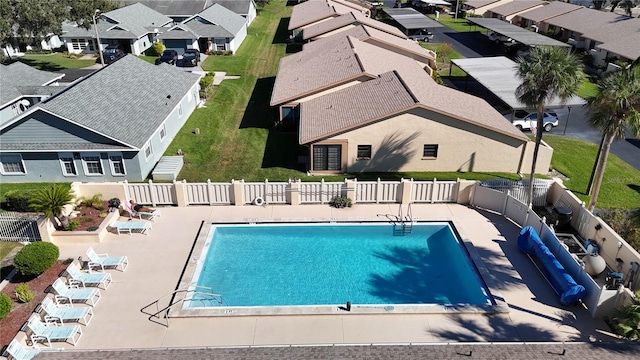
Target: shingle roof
point(584, 20)
point(310, 71)
point(330, 66)
point(129, 22)
point(347, 19)
point(627, 46)
point(175, 7)
point(216, 21)
point(37, 147)
point(127, 100)
point(474, 4)
point(550, 10)
point(17, 75)
point(374, 36)
point(240, 7)
point(517, 6)
point(309, 12)
point(180, 31)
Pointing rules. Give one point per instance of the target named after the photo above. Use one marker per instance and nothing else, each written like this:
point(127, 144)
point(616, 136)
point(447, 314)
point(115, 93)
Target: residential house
point(362, 108)
point(112, 125)
point(607, 36)
point(314, 11)
point(399, 45)
point(180, 11)
point(509, 10)
point(215, 28)
point(23, 86)
point(479, 7)
point(347, 21)
point(535, 18)
point(134, 27)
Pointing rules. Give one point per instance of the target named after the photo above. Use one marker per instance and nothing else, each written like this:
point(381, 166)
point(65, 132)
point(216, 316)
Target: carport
point(516, 33)
point(498, 75)
point(411, 19)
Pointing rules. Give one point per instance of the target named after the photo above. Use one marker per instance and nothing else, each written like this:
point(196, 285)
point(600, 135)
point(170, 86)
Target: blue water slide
point(563, 284)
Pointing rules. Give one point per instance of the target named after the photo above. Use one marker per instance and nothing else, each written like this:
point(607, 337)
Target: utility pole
point(95, 26)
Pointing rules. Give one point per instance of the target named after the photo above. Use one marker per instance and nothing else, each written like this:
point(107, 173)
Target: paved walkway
point(158, 259)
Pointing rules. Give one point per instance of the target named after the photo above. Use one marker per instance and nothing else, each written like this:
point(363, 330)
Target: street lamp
point(95, 26)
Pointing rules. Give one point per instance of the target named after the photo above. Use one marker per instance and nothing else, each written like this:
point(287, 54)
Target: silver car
point(525, 121)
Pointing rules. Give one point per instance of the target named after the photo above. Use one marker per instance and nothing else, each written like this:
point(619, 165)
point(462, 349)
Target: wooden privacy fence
point(239, 192)
point(16, 226)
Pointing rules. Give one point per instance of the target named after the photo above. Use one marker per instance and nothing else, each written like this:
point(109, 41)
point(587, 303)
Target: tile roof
point(584, 20)
point(474, 4)
point(127, 100)
point(517, 6)
point(375, 36)
point(627, 46)
point(17, 78)
point(345, 20)
point(550, 10)
point(332, 65)
point(309, 12)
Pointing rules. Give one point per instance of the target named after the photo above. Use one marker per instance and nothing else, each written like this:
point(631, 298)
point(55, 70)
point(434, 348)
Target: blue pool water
point(281, 265)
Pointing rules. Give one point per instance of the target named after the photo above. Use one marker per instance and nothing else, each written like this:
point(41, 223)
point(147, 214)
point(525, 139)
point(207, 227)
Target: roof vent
point(330, 107)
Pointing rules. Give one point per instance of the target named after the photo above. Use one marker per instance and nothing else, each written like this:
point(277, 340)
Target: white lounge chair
point(104, 260)
point(130, 226)
point(140, 214)
point(65, 312)
point(69, 294)
point(52, 332)
point(19, 352)
point(86, 279)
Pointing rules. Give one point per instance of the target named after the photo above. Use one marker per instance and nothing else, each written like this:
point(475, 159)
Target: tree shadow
point(394, 152)
point(282, 150)
point(259, 114)
point(41, 65)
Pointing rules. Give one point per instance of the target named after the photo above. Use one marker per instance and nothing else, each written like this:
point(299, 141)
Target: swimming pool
point(287, 265)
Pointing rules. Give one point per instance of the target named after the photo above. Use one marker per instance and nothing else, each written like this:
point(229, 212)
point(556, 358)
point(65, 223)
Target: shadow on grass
point(282, 32)
point(282, 150)
point(634, 187)
point(259, 114)
point(42, 65)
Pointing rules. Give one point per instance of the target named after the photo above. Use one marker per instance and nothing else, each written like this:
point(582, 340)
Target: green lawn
point(587, 89)
point(56, 61)
point(4, 187)
point(445, 65)
point(459, 25)
point(575, 159)
point(149, 59)
point(6, 247)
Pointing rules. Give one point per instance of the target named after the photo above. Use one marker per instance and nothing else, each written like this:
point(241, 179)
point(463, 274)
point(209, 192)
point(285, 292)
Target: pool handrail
point(192, 289)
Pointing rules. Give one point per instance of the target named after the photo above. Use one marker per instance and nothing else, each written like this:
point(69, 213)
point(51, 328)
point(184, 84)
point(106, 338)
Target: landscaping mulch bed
point(89, 217)
point(21, 312)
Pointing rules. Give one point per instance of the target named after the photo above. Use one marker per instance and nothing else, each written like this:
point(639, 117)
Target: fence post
point(378, 191)
point(237, 192)
point(504, 204)
point(294, 192)
point(180, 188)
point(406, 190)
point(433, 190)
point(473, 194)
point(351, 189)
point(265, 192)
point(153, 194)
point(322, 191)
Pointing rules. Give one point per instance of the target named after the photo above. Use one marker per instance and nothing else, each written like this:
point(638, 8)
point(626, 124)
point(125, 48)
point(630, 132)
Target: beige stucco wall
point(397, 145)
point(544, 158)
point(482, 9)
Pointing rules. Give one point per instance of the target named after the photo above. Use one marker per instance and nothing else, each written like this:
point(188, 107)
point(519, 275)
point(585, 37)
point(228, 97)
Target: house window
point(12, 164)
point(148, 150)
point(163, 132)
point(117, 165)
point(364, 152)
point(92, 165)
point(430, 151)
point(68, 165)
point(327, 157)
point(79, 44)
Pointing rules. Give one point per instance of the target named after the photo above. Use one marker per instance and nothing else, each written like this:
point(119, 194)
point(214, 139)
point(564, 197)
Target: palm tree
point(627, 319)
point(547, 73)
point(614, 109)
point(51, 201)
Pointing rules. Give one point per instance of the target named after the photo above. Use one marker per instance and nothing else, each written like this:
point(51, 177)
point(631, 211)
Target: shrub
point(85, 219)
point(18, 200)
point(155, 50)
point(205, 85)
point(92, 228)
point(93, 201)
point(5, 306)
point(35, 258)
point(103, 215)
point(72, 225)
point(340, 202)
point(23, 293)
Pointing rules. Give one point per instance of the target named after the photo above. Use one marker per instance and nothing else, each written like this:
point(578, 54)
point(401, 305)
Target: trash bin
point(562, 216)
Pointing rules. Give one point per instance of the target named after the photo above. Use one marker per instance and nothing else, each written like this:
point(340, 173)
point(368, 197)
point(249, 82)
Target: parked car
point(498, 38)
point(112, 53)
point(168, 56)
point(524, 120)
point(422, 35)
point(191, 57)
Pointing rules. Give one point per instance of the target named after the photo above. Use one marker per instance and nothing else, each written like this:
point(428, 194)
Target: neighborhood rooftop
point(513, 7)
point(351, 18)
point(219, 22)
point(550, 10)
point(18, 79)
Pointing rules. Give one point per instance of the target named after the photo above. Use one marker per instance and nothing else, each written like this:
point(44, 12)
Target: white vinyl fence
point(16, 226)
point(520, 189)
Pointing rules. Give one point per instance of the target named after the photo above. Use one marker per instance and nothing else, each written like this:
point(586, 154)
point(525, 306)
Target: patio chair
point(18, 352)
point(52, 332)
point(140, 214)
point(65, 312)
point(130, 226)
point(104, 260)
point(86, 279)
point(69, 294)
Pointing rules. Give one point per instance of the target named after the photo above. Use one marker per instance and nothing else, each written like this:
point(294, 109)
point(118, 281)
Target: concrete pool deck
point(156, 262)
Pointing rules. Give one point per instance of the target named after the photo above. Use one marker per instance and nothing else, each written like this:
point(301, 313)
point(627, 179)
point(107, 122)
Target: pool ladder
point(162, 312)
point(402, 224)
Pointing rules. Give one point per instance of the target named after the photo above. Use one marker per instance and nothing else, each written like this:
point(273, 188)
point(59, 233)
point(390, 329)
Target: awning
point(411, 19)
point(436, 2)
point(516, 33)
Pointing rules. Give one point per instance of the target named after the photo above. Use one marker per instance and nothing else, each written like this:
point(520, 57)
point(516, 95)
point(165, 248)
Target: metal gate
point(16, 226)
